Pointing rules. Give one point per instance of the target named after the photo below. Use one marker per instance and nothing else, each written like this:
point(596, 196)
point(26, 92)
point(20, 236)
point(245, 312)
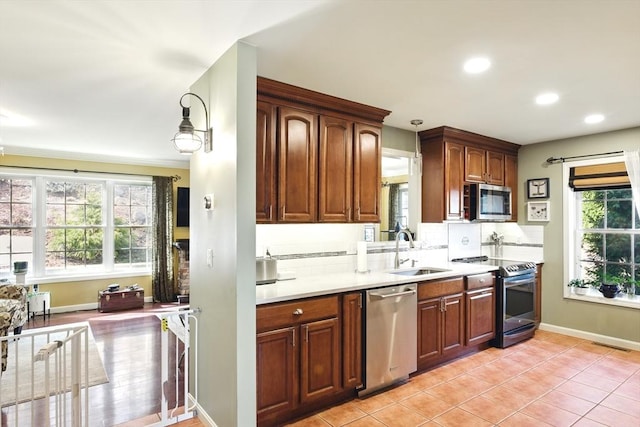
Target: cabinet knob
point(298, 312)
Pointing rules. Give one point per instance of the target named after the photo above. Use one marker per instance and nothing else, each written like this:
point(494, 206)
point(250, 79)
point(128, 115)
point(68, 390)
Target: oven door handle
point(509, 282)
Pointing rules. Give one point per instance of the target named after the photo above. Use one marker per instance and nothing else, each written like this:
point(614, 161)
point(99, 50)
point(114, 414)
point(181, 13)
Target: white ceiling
point(102, 79)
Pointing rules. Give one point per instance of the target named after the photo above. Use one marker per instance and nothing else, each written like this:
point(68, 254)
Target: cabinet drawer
point(478, 281)
point(278, 315)
point(439, 288)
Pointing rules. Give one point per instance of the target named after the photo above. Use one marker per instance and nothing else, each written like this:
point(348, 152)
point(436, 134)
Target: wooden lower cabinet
point(302, 360)
point(441, 321)
point(481, 315)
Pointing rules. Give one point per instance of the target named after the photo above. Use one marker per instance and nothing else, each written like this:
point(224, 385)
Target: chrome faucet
point(397, 260)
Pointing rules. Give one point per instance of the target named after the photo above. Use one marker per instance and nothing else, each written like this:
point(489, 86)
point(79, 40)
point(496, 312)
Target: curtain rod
point(174, 178)
point(552, 160)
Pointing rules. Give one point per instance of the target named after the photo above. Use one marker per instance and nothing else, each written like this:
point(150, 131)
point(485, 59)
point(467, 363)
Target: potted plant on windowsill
point(580, 287)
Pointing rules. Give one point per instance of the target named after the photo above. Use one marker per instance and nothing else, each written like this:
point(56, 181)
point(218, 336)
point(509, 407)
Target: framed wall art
point(538, 211)
point(538, 188)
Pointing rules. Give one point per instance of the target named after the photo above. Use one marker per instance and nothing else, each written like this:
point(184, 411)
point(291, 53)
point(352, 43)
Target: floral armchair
point(13, 300)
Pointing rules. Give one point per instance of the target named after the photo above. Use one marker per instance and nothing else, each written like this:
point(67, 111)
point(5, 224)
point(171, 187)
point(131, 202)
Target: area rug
point(20, 355)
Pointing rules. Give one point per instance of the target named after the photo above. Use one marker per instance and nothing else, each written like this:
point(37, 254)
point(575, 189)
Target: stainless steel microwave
point(489, 202)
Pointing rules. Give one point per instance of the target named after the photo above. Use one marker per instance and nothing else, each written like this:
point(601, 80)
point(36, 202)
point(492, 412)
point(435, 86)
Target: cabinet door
point(511, 180)
point(481, 315)
point(276, 378)
point(453, 323)
point(352, 340)
point(495, 168)
point(320, 360)
point(429, 330)
point(336, 170)
point(475, 168)
point(297, 158)
point(265, 163)
point(454, 180)
point(367, 173)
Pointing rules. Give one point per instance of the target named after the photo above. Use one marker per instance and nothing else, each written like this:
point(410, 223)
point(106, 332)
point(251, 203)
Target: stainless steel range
point(515, 299)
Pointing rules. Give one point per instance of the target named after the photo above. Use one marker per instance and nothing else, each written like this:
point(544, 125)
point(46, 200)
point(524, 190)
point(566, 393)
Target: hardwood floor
point(129, 343)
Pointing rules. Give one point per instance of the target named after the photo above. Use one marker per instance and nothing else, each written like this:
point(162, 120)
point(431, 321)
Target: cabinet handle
point(360, 301)
point(284, 211)
point(306, 334)
point(293, 337)
point(348, 213)
point(481, 280)
point(298, 312)
point(270, 212)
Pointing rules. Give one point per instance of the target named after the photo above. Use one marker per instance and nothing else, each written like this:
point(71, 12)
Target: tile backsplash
point(314, 249)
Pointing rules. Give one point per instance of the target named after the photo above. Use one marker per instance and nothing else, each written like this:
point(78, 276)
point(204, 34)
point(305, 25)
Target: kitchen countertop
point(327, 284)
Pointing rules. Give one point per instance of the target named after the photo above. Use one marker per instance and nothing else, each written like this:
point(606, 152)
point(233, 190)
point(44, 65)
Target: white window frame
point(570, 240)
point(37, 273)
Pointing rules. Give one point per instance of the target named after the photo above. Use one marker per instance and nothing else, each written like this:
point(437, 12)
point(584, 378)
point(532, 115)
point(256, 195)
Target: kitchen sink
point(420, 271)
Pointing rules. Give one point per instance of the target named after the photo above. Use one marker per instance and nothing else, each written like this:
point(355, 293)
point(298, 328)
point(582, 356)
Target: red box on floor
point(120, 300)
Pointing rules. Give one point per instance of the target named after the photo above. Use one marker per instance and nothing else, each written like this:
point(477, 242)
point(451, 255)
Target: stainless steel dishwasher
point(391, 335)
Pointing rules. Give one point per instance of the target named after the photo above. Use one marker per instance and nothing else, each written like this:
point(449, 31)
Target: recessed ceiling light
point(477, 65)
point(547, 98)
point(593, 118)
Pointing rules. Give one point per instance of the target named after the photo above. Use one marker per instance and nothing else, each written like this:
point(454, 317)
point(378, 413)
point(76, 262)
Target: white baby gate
point(48, 380)
point(178, 323)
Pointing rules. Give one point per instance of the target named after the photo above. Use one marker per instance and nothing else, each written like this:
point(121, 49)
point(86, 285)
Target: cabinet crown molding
point(469, 139)
point(317, 101)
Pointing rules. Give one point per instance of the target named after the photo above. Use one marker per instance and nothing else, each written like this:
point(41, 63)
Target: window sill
point(621, 300)
point(87, 276)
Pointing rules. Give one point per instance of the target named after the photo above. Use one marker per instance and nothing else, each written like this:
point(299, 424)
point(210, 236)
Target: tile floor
point(550, 380)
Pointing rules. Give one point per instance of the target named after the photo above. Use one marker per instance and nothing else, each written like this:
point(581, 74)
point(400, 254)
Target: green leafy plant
point(578, 283)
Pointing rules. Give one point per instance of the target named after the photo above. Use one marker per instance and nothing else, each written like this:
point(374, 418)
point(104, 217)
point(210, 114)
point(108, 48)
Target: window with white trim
point(67, 225)
point(603, 238)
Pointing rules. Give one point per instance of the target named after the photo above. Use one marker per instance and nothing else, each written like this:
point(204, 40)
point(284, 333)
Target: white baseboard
point(80, 307)
point(201, 413)
point(601, 339)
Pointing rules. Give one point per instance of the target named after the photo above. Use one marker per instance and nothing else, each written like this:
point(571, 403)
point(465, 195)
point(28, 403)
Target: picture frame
point(538, 188)
point(539, 211)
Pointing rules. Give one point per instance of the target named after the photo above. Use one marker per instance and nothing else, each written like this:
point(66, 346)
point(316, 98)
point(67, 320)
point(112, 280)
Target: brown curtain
point(394, 190)
point(162, 253)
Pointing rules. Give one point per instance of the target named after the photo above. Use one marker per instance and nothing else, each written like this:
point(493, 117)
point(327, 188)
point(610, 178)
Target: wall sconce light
point(186, 141)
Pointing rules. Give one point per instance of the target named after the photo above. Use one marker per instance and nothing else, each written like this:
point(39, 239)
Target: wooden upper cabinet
point(266, 203)
point(511, 181)
point(335, 194)
point(454, 180)
point(451, 157)
point(483, 166)
point(297, 159)
point(475, 168)
point(495, 168)
point(367, 172)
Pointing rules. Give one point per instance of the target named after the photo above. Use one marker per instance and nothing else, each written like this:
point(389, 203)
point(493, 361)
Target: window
point(69, 226)
point(604, 240)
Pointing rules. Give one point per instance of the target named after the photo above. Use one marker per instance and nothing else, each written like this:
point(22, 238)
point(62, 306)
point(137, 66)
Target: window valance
point(599, 176)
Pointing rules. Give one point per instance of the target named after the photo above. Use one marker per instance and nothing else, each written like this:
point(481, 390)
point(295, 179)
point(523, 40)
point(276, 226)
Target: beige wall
point(71, 293)
point(618, 322)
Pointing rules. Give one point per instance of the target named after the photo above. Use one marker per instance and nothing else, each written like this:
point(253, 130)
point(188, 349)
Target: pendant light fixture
point(417, 157)
point(186, 140)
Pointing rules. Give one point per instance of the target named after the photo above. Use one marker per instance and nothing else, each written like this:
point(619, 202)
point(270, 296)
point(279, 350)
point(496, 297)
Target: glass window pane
point(22, 240)
point(21, 191)
point(122, 215)
point(75, 258)
point(55, 240)
point(138, 255)
point(592, 247)
point(139, 216)
point(75, 215)
point(54, 260)
point(636, 249)
point(122, 256)
point(624, 193)
point(619, 214)
point(94, 238)
point(5, 262)
point(618, 247)
point(21, 215)
point(74, 193)
point(5, 242)
point(55, 192)
point(94, 257)
point(75, 239)
point(55, 215)
point(140, 237)
point(121, 195)
point(139, 195)
point(122, 238)
point(5, 214)
point(5, 190)
point(93, 214)
point(592, 214)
